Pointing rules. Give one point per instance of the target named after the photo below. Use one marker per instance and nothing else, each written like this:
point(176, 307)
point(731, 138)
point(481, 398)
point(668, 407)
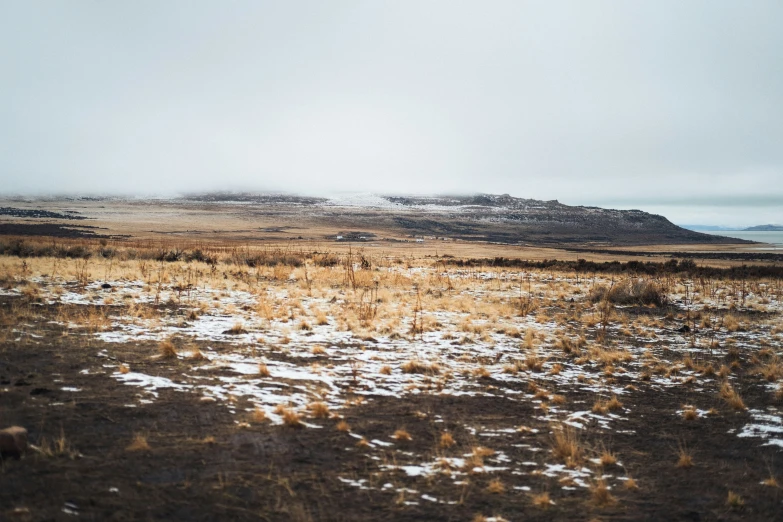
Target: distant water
point(774, 238)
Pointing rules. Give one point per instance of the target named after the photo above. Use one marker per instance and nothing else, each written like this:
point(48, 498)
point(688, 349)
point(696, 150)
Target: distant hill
point(709, 228)
point(477, 217)
point(764, 228)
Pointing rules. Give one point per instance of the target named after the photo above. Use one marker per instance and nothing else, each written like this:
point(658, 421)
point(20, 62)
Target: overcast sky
point(674, 107)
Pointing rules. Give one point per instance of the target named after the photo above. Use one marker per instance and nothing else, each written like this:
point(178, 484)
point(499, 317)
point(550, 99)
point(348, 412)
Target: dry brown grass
point(167, 350)
point(607, 458)
point(614, 403)
point(734, 501)
point(496, 486)
point(124, 368)
point(690, 413)
point(416, 366)
point(731, 323)
point(319, 410)
point(566, 446)
point(57, 447)
point(447, 440)
point(600, 494)
point(385, 370)
point(343, 426)
point(291, 418)
point(138, 443)
point(558, 399)
point(237, 328)
point(481, 373)
point(320, 318)
point(630, 484)
point(541, 394)
point(529, 339)
point(318, 350)
point(685, 459)
point(541, 500)
point(259, 415)
point(603, 406)
point(263, 370)
point(401, 435)
point(732, 398)
point(482, 451)
point(772, 370)
point(533, 362)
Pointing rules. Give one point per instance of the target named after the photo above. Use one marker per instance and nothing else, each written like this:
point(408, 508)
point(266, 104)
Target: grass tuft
point(690, 413)
point(732, 398)
point(291, 418)
point(566, 446)
point(259, 415)
point(401, 435)
point(447, 440)
point(734, 501)
point(600, 494)
point(496, 486)
point(139, 443)
point(541, 500)
point(319, 410)
point(685, 459)
point(167, 349)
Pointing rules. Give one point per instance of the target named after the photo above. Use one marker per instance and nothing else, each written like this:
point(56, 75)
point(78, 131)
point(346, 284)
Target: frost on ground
point(309, 344)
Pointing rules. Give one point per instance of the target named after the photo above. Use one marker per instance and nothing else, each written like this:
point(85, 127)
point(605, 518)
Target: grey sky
point(674, 107)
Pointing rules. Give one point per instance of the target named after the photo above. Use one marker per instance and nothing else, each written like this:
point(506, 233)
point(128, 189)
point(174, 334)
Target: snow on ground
point(333, 364)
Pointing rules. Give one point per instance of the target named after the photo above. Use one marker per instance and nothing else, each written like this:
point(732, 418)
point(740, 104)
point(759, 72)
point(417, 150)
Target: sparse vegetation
point(576, 356)
point(447, 440)
point(167, 349)
point(541, 500)
point(401, 435)
point(734, 501)
point(139, 443)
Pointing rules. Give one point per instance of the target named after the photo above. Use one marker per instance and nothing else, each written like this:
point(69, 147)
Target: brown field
point(275, 378)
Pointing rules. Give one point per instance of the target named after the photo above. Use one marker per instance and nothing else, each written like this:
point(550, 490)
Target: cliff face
point(504, 218)
point(478, 217)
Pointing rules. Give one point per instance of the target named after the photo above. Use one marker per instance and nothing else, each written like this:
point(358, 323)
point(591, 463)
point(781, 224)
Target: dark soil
point(49, 229)
point(38, 213)
point(270, 472)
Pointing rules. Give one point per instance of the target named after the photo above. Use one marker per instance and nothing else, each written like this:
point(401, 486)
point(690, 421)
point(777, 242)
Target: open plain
point(243, 375)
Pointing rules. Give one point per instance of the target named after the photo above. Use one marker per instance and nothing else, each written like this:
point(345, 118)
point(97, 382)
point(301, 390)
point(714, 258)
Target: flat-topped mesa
point(500, 218)
point(506, 219)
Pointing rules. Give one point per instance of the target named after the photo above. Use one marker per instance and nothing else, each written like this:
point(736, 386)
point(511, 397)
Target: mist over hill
point(486, 217)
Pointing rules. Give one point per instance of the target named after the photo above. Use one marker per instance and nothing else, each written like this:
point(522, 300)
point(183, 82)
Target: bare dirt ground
point(381, 387)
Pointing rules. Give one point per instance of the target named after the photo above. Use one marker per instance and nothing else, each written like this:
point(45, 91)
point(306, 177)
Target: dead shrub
point(630, 292)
